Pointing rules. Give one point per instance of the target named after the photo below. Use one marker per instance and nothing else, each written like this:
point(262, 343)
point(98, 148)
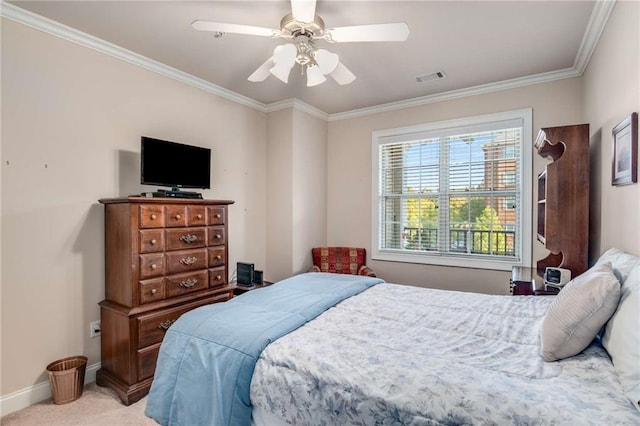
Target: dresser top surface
point(159, 200)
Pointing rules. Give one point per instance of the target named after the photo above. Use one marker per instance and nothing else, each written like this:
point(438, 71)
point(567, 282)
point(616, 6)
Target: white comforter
point(404, 355)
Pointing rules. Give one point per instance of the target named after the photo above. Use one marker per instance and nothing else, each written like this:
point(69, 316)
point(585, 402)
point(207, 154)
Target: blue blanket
point(206, 361)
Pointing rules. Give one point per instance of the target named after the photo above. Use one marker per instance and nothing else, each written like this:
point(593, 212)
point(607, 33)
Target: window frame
point(525, 219)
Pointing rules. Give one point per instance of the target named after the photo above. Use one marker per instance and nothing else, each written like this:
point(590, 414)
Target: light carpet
point(96, 406)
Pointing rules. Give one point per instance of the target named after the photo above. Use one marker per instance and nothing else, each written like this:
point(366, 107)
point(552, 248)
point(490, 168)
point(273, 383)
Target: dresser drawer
point(216, 215)
point(216, 235)
point(176, 216)
point(217, 276)
point(151, 327)
point(186, 283)
point(186, 260)
point(151, 216)
point(151, 265)
point(147, 359)
point(186, 238)
point(152, 290)
point(216, 256)
point(151, 240)
point(196, 216)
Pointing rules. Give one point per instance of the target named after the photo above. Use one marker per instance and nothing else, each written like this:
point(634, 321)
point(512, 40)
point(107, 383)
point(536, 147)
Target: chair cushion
point(340, 260)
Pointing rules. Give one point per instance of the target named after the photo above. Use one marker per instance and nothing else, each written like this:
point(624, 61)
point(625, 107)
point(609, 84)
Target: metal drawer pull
point(166, 324)
point(189, 238)
point(188, 260)
point(188, 283)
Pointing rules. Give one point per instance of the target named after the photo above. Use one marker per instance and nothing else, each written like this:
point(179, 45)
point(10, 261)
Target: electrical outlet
point(94, 329)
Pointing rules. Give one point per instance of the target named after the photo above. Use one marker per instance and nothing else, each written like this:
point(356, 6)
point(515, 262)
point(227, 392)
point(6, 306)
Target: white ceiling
point(475, 43)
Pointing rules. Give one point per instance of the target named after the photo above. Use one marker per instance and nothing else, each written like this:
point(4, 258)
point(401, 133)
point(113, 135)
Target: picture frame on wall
point(624, 163)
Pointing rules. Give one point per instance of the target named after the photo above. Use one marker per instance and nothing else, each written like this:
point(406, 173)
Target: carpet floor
point(96, 406)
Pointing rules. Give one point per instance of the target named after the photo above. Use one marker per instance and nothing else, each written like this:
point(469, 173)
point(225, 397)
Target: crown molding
point(460, 93)
point(22, 16)
point(299, 105)
point(595, 27)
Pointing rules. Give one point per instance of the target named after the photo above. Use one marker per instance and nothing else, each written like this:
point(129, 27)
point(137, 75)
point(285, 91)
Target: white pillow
point(622, 262)
point(622, 337)
point(578, 312)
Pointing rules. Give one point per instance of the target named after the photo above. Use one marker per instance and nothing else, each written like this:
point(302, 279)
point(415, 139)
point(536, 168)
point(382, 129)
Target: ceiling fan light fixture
point(327, 61)
point(281, 72)
point(315, 76)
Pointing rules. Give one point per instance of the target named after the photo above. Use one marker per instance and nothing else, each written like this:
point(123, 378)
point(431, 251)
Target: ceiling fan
point(304, 28)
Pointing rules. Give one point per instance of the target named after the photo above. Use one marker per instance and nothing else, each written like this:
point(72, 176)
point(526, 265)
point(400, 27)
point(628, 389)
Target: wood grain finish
point(563, 198)
point(163, 257)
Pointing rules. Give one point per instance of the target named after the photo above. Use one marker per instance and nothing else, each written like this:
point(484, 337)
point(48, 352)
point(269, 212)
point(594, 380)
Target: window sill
point(462, 261)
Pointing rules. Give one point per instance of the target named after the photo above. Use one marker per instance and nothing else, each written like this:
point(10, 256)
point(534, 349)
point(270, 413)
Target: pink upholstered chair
point(340, 260)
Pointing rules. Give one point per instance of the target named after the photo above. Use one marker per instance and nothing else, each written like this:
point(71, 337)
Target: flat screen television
point(175, 165)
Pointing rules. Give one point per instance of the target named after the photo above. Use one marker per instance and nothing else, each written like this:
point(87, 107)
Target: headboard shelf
point(563, 197)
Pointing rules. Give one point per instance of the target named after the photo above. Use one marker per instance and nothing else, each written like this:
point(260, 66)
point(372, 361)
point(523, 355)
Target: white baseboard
point(39, 392)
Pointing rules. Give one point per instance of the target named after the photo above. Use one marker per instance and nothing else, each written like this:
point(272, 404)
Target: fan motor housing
point(290, 26)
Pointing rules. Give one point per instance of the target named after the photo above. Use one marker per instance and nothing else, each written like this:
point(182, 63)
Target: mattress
point(397, 354)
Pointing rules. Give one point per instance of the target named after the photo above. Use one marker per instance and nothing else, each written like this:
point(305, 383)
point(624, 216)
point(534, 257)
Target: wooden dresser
point(163, 257)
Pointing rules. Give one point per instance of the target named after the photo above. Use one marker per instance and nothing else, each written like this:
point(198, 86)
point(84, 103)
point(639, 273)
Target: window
point(456, 192)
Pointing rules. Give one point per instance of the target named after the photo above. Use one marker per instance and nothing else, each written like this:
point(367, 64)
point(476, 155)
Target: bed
point(329, 349)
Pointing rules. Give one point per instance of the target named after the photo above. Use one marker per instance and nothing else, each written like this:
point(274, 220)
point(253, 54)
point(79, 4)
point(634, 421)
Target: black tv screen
point(174, 164)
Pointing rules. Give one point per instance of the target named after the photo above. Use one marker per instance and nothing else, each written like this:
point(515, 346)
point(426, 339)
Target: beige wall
point(349, 174)
point(612, 92)
point(72, 120)
point(279, 250)
point(309, 188)
point(296, 204)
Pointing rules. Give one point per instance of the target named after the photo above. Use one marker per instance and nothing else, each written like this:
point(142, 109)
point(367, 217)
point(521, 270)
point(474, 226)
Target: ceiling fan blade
point(263, 71)
point(222, 27)
point(342, 75)
point(398, 31)
point(303, 10)
point(327, 61)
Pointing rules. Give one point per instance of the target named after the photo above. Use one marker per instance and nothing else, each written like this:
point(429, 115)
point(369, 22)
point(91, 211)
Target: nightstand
point(240, 289)
point(523, 283)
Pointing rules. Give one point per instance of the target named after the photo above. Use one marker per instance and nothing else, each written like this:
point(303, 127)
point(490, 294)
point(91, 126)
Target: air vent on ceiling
point(433, 76)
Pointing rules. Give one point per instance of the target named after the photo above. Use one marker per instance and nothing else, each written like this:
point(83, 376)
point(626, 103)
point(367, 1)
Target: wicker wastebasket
point(66, 377)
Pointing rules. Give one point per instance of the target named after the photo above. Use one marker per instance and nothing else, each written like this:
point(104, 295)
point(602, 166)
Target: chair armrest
point(314, 268)
point(365, 270)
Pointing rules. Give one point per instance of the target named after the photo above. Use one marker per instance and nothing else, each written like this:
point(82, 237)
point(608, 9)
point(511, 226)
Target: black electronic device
point(257, 277)
point(244, 274)
point(174, 165)
point(172, 194)
point(556, 277)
